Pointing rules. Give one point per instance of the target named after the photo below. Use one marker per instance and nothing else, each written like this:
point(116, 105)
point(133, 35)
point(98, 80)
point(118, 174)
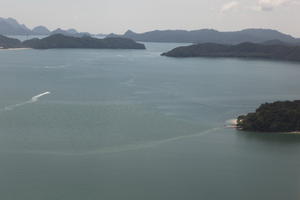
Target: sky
point(117, 16)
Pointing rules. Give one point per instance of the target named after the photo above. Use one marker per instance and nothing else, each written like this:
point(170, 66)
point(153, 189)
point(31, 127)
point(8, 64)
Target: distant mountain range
point(69, 32)
point(211, 36)
point(10, 26)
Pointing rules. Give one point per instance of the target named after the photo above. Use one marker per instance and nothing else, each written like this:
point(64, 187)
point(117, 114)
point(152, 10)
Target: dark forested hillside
point(6, 42)
point(273, 117)
point(244, 50)
point(210, 36)
point(63, 41)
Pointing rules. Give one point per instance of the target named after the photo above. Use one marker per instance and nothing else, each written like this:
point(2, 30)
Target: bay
point(131, 124)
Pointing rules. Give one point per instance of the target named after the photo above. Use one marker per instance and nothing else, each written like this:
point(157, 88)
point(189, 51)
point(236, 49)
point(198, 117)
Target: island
point(274, 51)
point(6, 43)
point(280, 116)
point(63, 41)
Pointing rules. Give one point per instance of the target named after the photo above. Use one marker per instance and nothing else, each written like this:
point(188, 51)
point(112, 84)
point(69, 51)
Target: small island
point(59, 41)
point(6, 43)
point(280, 116)
point(274, 51)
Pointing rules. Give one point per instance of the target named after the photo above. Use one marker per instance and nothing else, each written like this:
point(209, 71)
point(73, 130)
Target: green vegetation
point(243, 50)
point(6, 42)
point(63, 41)
point(281, 116)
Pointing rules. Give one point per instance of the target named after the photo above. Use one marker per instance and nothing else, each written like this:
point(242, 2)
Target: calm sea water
point(130, 124)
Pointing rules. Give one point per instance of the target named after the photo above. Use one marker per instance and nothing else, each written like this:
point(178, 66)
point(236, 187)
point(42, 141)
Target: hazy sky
point(106, 16)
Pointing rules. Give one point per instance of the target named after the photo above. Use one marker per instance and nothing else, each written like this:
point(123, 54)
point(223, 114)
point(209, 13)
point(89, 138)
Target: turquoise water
point(130, 124)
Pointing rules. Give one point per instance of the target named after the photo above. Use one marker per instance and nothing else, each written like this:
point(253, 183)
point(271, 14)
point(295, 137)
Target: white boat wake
point(56, 67)
point(32, 100)
point(36, 98)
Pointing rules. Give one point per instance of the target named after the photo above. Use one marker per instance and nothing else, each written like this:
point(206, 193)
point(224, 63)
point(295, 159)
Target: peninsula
point(280, 116)
point(274, 51)
point(62, 41)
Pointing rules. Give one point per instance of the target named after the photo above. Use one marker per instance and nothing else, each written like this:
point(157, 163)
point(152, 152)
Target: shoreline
point(15, 49)
point(232, 123)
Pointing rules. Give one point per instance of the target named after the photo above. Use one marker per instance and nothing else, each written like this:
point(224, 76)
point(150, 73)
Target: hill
point(10, 26)
point(6, 42)
point(63, 41)
point(209, 36)
point(243, 50)
point(280, 116)
point(41, 30)
point(69, 32)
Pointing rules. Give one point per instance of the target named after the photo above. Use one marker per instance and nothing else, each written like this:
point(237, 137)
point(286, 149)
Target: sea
point(133, 125)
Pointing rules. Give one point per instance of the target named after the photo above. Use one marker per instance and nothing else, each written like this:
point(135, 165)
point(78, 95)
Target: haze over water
point(130, 124)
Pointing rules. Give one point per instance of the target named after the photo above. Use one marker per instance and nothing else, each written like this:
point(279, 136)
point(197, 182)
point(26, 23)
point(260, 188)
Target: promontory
point(274, 51)
point(280, 116)
point(63, 41)
point(59, 41)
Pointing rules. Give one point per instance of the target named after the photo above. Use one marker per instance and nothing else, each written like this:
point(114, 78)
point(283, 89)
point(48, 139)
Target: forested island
point(280, 116)
point(274, 51)
point(6, 42)
point(63, 41)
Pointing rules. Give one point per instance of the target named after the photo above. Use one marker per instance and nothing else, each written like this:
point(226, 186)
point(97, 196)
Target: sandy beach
point(232, 123)
point(15, 49)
